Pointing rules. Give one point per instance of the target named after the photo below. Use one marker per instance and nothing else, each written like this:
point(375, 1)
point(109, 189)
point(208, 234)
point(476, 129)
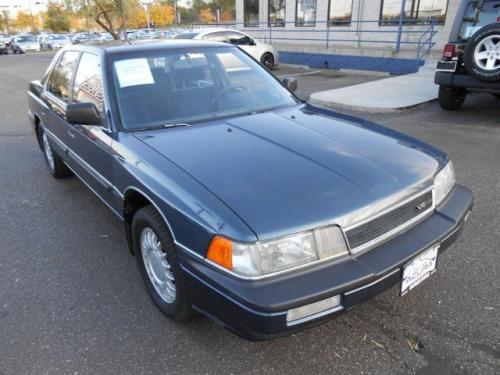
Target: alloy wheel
point(157, 267)
point(487, 53)
point(48, 152)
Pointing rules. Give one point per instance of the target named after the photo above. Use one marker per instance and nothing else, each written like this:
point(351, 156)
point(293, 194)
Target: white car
point(54, 41)
point(23, 43)
point(265, 53)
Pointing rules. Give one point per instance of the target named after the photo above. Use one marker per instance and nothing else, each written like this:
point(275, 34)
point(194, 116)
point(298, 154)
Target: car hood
point(299, 168)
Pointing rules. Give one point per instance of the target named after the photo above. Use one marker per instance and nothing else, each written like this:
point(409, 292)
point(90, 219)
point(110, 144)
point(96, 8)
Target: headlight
point(267, 257)
point(444, 182)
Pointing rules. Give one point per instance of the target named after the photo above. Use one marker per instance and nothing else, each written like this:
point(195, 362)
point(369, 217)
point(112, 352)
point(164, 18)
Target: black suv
point(471, 60)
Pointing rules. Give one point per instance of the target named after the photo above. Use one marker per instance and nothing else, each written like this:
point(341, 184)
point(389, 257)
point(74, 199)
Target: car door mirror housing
point(83, 113)
point(251, 42)
point(291, 84)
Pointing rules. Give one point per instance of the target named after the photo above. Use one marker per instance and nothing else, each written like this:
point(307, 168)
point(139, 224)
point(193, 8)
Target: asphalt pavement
point(72, 300)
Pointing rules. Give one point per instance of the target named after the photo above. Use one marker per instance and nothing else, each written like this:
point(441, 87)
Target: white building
point(362, 34)
point(12, 7)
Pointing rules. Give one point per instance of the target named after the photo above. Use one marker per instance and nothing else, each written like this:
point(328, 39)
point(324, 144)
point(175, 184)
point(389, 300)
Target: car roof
point(118, 46)
point(207, 30)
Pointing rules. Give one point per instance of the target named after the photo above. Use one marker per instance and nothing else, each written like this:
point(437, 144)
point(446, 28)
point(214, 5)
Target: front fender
point(192, 212)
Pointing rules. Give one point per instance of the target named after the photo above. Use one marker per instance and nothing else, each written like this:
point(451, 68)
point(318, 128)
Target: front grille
point(389, 221)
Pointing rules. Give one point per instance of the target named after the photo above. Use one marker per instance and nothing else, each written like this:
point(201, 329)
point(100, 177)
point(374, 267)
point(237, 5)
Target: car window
point(88, 81)
point(489, 13)
point(60, 77)
point(219, 36)
point(26, 39)
point(238, 39)
point(159, 87)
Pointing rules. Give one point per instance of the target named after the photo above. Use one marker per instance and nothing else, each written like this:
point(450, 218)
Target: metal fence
point(327, 34)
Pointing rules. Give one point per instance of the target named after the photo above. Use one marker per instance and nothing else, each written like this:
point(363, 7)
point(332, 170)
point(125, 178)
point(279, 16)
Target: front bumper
point(257, 310)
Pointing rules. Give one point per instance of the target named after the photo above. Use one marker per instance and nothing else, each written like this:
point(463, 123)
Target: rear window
point(185, 36)
point(473, 21)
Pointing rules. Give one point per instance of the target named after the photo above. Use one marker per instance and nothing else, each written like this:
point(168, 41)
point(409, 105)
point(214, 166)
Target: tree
point(162, 14)
point(108, 14)
point(26, 21)
point(206, 15)
point(3, 23)
point(56, 18)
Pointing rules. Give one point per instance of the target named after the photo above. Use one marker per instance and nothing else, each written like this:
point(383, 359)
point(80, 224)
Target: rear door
point(90, 145)
point(56, 96)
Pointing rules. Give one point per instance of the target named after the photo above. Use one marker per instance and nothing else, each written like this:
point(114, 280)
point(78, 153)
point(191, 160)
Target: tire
point(482, 54)
point(55, 164)
point(451, 98)
point(267, 60)
point(145, 221)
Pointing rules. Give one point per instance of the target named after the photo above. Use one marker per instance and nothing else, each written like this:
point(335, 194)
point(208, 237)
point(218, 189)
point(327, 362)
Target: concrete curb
point(355, 108)
point(387, 95)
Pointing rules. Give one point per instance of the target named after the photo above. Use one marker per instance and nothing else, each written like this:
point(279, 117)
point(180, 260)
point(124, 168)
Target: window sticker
point(133, 72)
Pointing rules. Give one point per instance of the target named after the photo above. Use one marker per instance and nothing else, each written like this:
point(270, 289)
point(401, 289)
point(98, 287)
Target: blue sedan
point(262, 212)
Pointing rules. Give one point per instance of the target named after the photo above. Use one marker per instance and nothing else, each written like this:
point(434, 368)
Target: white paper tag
point(133, 72)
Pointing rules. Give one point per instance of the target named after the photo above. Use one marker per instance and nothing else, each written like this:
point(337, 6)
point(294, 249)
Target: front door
point(90, 145)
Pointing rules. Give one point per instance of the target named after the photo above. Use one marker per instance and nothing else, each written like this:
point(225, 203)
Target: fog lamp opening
point(313, 310)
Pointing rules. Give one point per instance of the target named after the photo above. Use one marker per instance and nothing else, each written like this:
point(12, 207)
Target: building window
point(305, 14)
point(340, 13)
point(251, 13)
point(415, 12)
point(276, 16)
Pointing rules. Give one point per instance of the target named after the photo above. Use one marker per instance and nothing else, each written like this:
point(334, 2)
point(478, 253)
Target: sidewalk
point(385, 95)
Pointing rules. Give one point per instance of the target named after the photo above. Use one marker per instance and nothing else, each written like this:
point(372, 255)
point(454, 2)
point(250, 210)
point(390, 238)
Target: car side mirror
point(252, 42)
point(83, 113)
point(290, 84)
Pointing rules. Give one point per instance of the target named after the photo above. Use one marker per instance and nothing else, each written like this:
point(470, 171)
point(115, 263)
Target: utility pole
point(175, 13)
point(87, 7)
point(124, 20)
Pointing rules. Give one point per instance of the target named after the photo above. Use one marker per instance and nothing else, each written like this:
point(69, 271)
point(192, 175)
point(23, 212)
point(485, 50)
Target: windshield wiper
point(163, 126)
point(174, 125)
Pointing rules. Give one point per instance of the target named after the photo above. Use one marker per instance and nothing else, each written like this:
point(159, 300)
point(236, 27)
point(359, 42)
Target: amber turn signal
point(220, 251)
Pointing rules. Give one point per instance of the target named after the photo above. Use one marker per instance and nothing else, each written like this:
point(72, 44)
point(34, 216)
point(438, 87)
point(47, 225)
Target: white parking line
point(298, 74)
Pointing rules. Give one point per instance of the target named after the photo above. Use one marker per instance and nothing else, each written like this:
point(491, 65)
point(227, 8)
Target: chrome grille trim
point(371, 242)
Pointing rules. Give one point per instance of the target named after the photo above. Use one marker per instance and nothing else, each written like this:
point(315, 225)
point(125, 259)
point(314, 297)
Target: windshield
point(59, 37)
point(189, 85)
point(474, 20)
point(23, 39)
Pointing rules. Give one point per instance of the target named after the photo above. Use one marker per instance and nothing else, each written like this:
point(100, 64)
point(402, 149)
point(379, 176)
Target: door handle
point(71, 134)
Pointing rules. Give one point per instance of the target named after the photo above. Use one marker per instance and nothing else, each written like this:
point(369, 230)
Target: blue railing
point(338, 33)
point(425, 45)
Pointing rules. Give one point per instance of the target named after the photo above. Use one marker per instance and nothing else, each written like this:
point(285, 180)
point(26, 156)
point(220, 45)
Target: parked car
point(5, 38)
point(4, 50)
point(240, 201)
point(265, 53)
point(24, 43)
point(471, 60)
point(105, 37)
point(54, 41)
point(79, 38)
